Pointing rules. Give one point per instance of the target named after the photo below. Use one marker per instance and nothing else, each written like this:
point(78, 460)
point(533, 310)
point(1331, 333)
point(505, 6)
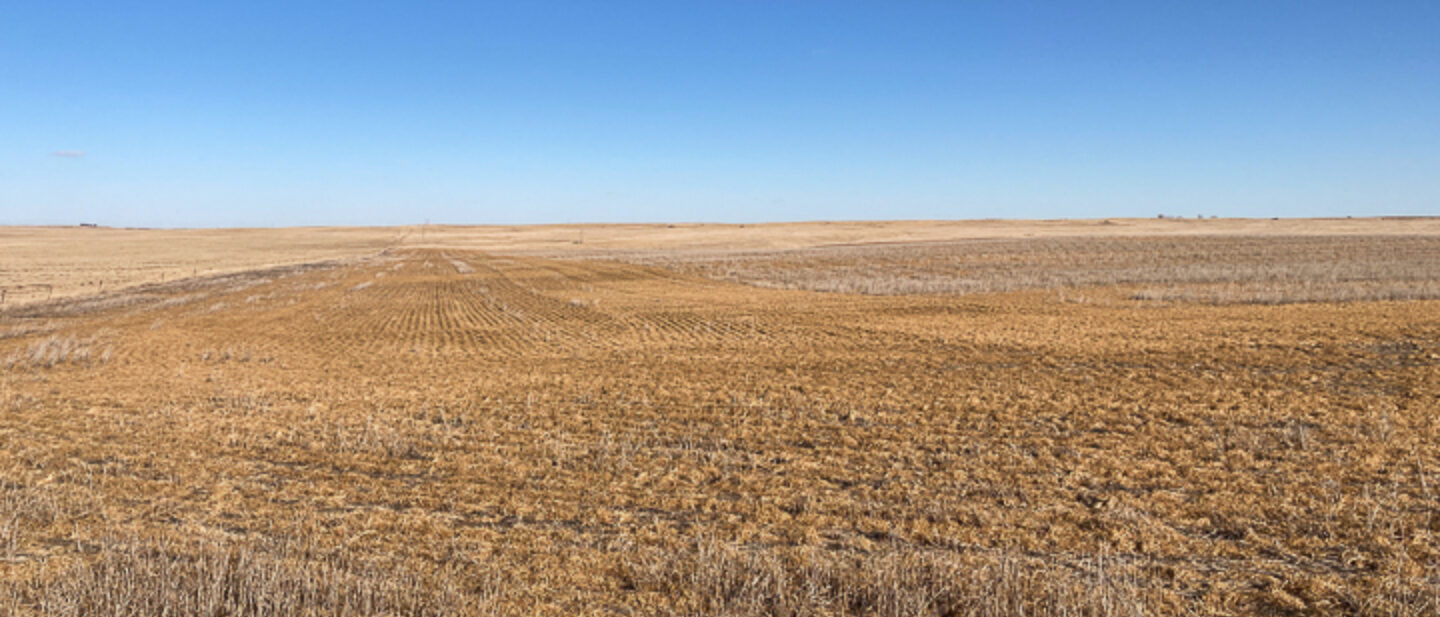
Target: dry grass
point(39, 264)
point(159, 295)
point(48, 352)
point(1214, 269)
point(720, 579)
point(469, 434)
point(135, 578)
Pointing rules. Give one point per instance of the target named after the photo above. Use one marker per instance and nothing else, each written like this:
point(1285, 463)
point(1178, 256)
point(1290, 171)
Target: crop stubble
point(502, 434)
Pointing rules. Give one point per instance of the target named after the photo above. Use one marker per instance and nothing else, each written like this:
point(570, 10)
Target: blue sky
point(296, 113)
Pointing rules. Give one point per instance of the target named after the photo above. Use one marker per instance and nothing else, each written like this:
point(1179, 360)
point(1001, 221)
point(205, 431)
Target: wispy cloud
point(68, 154)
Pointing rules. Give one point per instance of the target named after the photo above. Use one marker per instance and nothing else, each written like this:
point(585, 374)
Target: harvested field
point(54, 263)
point(42, 264)
point(444, 431)
point(1216, 269)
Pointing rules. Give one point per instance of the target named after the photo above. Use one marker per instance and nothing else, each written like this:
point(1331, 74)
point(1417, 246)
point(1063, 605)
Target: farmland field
point(1131, 418)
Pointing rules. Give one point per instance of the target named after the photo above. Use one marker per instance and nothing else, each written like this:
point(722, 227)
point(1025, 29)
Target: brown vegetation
point(1216, 269)
point(446, 432)
point(52, 263)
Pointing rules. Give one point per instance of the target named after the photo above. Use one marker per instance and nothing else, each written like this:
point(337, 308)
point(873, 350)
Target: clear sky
point(292, 113)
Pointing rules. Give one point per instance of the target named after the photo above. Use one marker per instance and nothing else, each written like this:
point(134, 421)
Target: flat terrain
point(689, 420)
point(47, 263)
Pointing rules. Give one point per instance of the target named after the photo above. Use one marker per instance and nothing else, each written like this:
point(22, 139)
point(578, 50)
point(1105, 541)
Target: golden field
point(48, 263)
point(1124, 417)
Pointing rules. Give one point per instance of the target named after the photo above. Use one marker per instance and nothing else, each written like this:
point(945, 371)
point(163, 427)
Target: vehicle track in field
point(422, 305)
point(457, 303)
